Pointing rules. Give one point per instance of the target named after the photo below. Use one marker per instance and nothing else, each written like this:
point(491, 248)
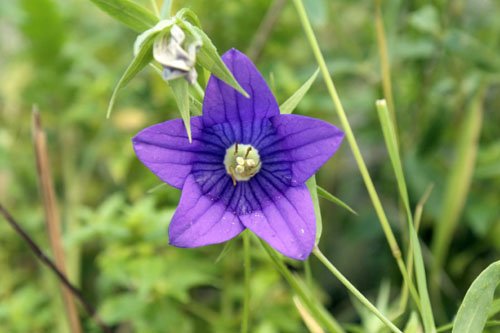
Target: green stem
point(246, 300)
point(319, 314)
point(353, 290)
point(199, 91)
point(155, 8)
point(396, 252)
point(308, 273)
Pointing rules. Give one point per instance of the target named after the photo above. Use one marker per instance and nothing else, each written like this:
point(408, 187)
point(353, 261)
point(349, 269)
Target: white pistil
point(242, 162)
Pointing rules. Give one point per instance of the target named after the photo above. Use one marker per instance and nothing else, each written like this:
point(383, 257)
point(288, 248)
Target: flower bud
point(177, 57)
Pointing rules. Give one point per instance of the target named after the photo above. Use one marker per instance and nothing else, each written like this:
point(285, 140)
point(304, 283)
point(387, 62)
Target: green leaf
point(210, 59)
point(392, 147)
point(426, 19)
point(187, 14)
point(330, 197)
point(466, 47)
point(225, 250)
point(181, 93)
point(291, 103)
point(311, 185)
point(128, 13)
point(121, 307)
point(143, 50)
point(140, 61)
point(474, 310)
point(195, 106)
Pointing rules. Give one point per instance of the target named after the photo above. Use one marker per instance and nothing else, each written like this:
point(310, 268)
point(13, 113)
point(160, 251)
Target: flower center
point(242, 162)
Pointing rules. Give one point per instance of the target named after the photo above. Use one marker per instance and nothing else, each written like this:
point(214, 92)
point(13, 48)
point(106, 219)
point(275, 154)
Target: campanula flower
point(245, 168)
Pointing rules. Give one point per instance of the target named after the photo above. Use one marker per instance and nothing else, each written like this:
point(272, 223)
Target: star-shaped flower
point(245, 168)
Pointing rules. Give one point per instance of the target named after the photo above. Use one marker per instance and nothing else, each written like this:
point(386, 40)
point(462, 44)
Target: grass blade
point(459, 181)
point(392, 147)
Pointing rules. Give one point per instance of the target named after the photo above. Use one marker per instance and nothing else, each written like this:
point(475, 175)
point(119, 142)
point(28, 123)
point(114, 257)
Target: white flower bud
point(177, 60)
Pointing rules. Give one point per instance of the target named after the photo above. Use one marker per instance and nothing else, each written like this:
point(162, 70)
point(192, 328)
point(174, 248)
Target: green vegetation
point(436, 63)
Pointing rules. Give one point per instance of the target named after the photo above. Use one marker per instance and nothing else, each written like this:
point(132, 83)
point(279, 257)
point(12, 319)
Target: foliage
point(67, 57)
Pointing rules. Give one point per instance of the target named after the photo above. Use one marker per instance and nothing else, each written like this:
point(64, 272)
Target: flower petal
point(200, 221)
point(286, 221)
point(165, 149)
point(224, 104)
point(303, 144)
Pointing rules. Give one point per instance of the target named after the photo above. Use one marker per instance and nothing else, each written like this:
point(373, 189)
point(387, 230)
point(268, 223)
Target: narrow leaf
point(211, 60)
point(459, 178)
point(143, 57)
point(311, 185)
point(128, 13)
point(187, 14)
point(330, 197)
point(143, 50)
point(392, 148)
point(195, 106)
point(474, 310)
point(225, 250)
point(291, 103)
point(181, 93)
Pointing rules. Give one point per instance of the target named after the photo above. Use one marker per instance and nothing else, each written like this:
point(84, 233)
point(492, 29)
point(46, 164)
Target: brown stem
point(49, 200)
point(264, 30)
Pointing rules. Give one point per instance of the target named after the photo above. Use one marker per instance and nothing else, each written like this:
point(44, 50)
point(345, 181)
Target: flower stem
point(320, 314)
point(353, 290)
point(199, 91)
point(396, 252)
point(155, 8)
point(246, 299)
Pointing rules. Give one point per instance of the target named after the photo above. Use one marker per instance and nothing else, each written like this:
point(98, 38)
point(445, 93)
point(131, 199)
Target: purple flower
point(246, 167)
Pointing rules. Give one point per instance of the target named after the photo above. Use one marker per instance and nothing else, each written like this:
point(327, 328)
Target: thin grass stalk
point(409, 259)
point(385, 64)
point(392, 147)
point(311, 324)
point(53, 224)
point(396, 252)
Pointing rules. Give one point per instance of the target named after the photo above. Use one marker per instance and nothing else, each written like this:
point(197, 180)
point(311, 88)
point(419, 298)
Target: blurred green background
point(66, 56)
